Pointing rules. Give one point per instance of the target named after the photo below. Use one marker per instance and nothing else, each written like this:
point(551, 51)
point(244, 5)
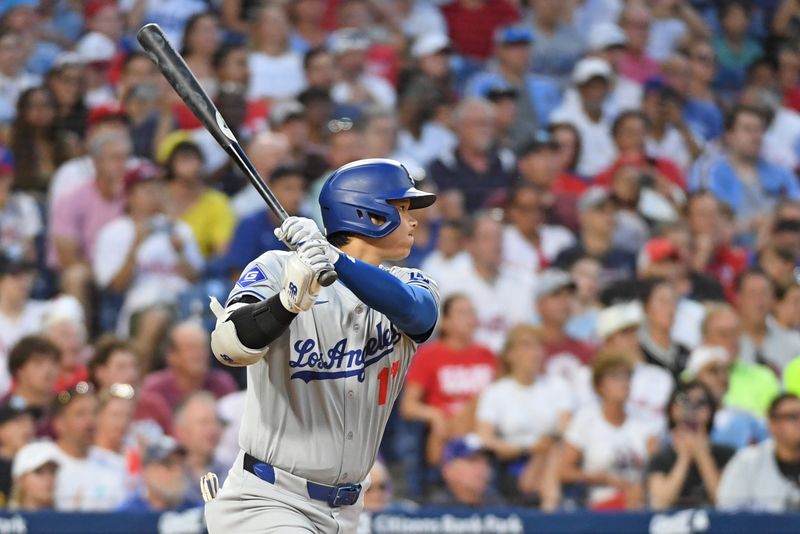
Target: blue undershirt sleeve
point(410, 307)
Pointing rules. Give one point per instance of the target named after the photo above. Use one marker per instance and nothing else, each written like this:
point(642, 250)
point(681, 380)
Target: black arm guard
point(259, 324)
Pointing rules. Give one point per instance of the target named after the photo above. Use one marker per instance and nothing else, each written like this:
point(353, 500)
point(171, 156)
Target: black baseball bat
point(181, 78)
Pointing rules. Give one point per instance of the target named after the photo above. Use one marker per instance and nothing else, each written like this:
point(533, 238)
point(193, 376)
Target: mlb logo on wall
point(251, 277)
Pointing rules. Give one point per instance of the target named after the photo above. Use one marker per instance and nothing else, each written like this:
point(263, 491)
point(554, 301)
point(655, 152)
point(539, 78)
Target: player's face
point(397, 245)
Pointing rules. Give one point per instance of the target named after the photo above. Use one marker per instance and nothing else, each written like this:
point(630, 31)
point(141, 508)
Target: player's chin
point(401, 252)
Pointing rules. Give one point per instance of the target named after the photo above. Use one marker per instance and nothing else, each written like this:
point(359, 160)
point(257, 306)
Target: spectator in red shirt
point(629, 131)
point(187, 371)
point(471, 24)
point(554, 298)
point(447, 375)
point(636, 64)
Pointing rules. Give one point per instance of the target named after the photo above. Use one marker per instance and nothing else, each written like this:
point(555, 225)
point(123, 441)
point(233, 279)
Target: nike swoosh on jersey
point(320, 302)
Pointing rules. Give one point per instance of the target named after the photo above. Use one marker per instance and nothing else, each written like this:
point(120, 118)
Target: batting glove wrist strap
point(300, 287)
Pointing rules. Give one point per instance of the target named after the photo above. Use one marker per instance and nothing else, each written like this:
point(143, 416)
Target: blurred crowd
point(616, 241)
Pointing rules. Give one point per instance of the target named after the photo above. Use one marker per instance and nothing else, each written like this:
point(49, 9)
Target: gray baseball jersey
point(318, 402)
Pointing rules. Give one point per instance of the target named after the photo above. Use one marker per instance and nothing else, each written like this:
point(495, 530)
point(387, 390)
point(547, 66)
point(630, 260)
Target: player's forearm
point(411, 308)
point(259, 324)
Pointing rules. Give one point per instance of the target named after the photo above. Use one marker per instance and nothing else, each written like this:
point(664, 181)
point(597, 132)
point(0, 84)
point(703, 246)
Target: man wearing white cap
point(593, 79)
point(34, 469)
point(356, 86)
point(607, 41)
point(735, 427)
point(651, 385)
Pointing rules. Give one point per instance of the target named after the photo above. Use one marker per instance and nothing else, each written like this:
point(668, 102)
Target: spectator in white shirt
point(20, 221)
point(84, 483)
point(525, 438)
point(13, 77)
point(19, 315)
point(605, 448)
point(607, 41)
point(528, 244)
point(146, 255)
point(483, 278)
point(618, 327)
point(766, 477)
point(449, 254)
point(276, 71)
point(592, 78)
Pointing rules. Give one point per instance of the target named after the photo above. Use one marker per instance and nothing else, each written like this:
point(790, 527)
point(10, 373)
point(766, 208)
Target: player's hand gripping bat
point(180, 77)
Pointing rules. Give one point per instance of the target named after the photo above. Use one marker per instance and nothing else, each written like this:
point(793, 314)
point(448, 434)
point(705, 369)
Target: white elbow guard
point(225, 343)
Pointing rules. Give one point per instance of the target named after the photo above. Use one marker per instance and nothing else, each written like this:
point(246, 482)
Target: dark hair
point(696, 195)
point(104, 348)
point(782, 291)
point(649, 287)
point(26, 156)
point(28, 347)
point(743, 109)
point(447, 304)
point(453, 224)
point(190, 24)
point(223, 52)
point(313, 94)
point(765, 61)
point(184, 147)
point(340, 239)
point(312, 53)
point(5, 31)
point(518, 187)
point(447, 307)
point(578, 140)
point(131, 57)
point(284, 171)
point(784, 253)
point(680, 391)
point(624, 116)
point(738, 282)
point(777, 401)
point(730, 5)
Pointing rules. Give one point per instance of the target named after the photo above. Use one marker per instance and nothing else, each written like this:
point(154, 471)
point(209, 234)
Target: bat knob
point(327, 278)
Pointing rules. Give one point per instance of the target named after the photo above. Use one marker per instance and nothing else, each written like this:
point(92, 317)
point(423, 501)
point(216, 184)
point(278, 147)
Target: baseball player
point(325, 364)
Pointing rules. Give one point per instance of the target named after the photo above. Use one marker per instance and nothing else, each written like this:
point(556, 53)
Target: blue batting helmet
point(363, 188)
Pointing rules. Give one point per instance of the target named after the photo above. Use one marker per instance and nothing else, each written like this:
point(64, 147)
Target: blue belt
point(339, 495)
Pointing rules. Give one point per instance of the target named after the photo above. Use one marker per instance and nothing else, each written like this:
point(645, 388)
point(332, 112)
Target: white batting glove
point(300, 287)
point(296, 230)
point(321, 244)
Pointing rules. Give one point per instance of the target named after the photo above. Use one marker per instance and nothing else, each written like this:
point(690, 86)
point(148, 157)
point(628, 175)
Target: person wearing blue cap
point(537, 96)
point(467, 473)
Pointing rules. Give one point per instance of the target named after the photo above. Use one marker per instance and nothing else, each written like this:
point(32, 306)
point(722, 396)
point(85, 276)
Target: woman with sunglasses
point(685, 472)
point(605, 450)
point(525, 438)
